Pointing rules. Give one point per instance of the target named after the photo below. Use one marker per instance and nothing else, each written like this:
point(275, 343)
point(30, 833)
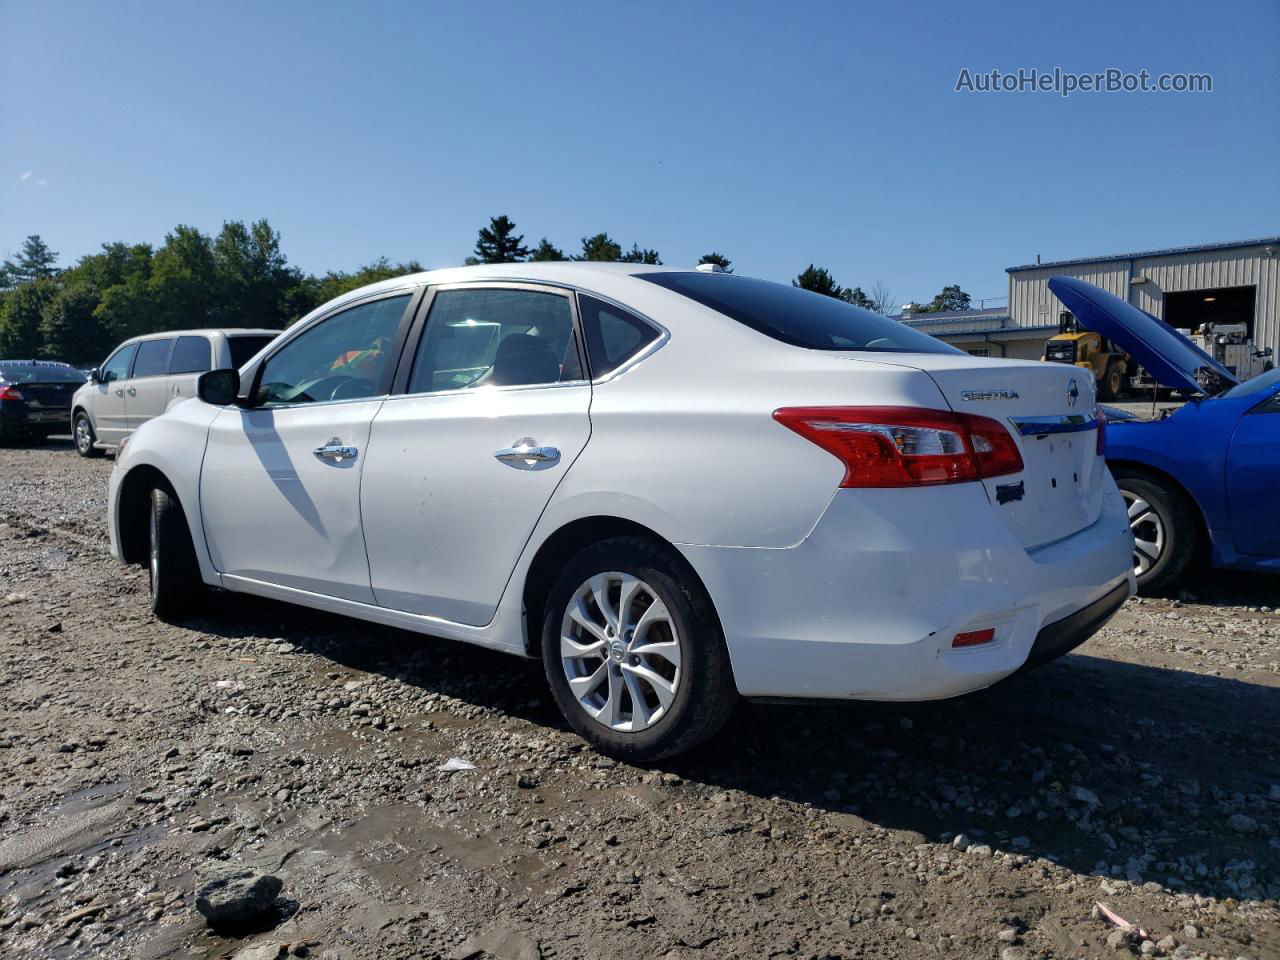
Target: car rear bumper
point(868, 605)
point(20, 418)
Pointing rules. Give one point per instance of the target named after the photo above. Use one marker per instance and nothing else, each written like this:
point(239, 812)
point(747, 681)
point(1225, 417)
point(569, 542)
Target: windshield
point(801, 318)
point(1259, 384)
point(29, 372)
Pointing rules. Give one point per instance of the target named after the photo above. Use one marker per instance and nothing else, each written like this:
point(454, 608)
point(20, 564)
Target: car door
point(280, 482)
point(147, 388)
point(110, 402)
point(192, 355)
point(1253, 477)
point(494, 411)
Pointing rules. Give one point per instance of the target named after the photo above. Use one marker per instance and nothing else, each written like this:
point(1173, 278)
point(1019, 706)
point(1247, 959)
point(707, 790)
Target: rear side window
point(153, 358)
point(801, 318)
point(243, 349)
point(191, 355)
point(613, 335)
point(495, 337)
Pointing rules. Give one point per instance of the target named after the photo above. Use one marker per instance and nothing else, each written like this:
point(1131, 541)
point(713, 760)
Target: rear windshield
point(244, 348)
point(801, 318)
point(39, 373)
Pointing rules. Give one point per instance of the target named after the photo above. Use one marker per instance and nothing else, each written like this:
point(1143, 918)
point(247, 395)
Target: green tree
point(35, 261)
point(499, 243)
point(546, 250)
point(123, 275)
point(636, 255)
point(600, 247)
point(336, 283)
point(20, 318)
point(949, 299)
point(69, 327)
point(819, 280)
point(254, 281)
point(184, 281)
point(719, 259)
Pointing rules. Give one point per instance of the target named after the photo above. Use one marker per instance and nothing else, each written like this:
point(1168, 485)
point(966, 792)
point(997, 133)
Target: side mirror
point(95, 375)
point(219, 387)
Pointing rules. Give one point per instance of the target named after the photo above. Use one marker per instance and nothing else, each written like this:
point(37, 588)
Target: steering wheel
point(351, 388)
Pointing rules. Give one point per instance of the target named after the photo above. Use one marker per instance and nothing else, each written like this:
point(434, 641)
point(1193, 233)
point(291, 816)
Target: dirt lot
point(1143, 772)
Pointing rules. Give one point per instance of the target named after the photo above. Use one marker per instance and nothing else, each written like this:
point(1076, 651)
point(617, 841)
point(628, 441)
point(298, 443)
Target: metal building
point(984, 333)
point(1183, 286)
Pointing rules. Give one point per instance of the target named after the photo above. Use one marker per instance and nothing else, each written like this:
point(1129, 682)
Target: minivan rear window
point(243, 349)
point(799, 317)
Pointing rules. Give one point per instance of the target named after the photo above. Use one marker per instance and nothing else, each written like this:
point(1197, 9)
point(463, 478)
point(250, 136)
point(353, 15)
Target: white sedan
point(674, 487)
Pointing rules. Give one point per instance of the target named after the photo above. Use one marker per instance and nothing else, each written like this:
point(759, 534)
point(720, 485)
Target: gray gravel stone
point(237, 897)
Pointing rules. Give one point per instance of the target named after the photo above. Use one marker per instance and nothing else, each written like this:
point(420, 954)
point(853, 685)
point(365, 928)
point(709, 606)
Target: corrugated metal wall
point(1031, 303)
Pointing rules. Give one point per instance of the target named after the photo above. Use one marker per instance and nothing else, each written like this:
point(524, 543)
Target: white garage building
point(1184, 286)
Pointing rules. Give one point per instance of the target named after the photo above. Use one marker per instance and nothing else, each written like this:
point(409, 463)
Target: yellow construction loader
point(1083, 348)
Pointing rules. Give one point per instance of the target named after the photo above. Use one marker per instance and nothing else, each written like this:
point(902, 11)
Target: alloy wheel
point(1148, 532)
point(154, 566)
point(83, 439)
point(620, 651)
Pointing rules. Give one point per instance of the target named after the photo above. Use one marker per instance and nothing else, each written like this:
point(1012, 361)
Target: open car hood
point(1172, 359)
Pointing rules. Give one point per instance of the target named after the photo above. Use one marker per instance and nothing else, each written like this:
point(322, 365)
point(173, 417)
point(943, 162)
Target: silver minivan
point(144, 376)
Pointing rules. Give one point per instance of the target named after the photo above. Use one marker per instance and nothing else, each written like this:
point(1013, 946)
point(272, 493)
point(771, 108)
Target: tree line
point(240, 277)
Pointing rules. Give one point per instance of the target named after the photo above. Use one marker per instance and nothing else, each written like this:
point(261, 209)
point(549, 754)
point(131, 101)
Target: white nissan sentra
point(675, 487)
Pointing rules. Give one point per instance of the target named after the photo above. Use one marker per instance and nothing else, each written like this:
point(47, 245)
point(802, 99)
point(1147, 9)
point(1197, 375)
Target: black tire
point(705, 694)
point(1180, 533)
point(176, 588)
point(1112, 382)
point(83, 437)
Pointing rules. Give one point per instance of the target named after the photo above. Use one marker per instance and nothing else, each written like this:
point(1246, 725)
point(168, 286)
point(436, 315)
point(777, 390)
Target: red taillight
point(1102, 433)
point(10, 393)
point(906, 446)
point(974, 638)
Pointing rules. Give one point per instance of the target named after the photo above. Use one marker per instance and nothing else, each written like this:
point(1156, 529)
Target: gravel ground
point(137, 758)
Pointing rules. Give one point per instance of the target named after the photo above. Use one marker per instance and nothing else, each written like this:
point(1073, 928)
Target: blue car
point(1202, 481)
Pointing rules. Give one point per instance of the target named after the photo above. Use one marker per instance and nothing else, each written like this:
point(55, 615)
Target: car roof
point(204, 331)
point(577, 273)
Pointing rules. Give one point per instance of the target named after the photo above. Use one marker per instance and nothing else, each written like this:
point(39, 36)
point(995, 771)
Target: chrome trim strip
point(1043, 426)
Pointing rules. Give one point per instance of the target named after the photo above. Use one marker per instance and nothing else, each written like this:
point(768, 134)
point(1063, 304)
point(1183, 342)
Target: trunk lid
point(1051, 412)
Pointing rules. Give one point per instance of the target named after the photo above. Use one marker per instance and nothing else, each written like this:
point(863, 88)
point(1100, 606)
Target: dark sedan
point(35, 398)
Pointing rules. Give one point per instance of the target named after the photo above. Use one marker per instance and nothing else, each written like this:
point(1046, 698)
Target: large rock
point(237, 897)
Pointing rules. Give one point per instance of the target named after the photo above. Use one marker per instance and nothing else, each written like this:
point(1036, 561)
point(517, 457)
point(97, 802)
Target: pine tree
point(36, 260)
point(636, 255)
point(601, 248)
point(497, 244)
point(546, 250)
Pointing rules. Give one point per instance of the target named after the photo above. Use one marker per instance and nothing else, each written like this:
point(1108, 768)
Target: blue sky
point(778, 134)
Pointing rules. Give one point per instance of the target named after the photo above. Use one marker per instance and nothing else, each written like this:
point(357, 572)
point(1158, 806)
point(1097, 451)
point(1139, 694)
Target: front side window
point(191, 355)
point(344, 357)
point(613, 336)
point(117, 366)
point(495, 337)
point(799, 317)
point(153, 358)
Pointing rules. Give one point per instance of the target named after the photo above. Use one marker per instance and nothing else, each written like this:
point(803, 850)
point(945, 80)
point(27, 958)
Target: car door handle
point(527, 449)
point(120, 392)
point(336, 451)
point(132, 392)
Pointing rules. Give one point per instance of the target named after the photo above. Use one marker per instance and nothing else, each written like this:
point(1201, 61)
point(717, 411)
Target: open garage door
point(1189, 309)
